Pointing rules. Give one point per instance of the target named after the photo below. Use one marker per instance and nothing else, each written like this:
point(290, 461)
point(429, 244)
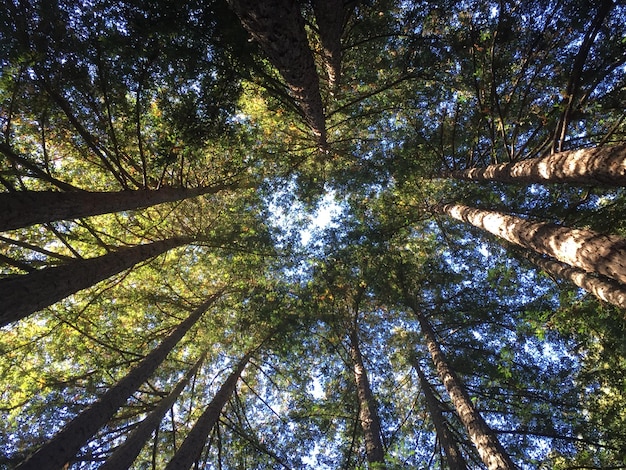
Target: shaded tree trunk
point(23, 208)
point(489, 448)
point(191, 448)
point(25, 294)
point(584, 249)
point(603, 166)
point(278, 27)
point(448, 443)
point(125, 454)
point(331, 17)
point(604, 289)
point(65, 444)
point(368, 413)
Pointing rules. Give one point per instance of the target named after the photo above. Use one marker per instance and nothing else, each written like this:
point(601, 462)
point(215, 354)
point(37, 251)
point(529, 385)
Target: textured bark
point(191, 448)
point(584, 249)
point(331, 17)
point(278, 27)
point(64, 446)
point(604, 289)
point(489, 448)
point(368, 413)
point(448, 443)
point(25, 294)
point(23, 208)
point(125, 454)
point(604, 166)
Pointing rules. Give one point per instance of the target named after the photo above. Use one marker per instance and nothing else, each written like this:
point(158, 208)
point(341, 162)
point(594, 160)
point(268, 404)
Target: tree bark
point(603, 166)
point(368, 413)
point(448, 443)
point(124, 456)
point(24, 208)
point(604, 289)
point(278, 27)
point(191, 448)
point(64, 446)
point(584, 249)
point(331, 17)
point(489, 448)
point(25, 294)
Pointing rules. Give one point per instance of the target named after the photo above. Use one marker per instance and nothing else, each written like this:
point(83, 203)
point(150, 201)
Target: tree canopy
point(312, 234)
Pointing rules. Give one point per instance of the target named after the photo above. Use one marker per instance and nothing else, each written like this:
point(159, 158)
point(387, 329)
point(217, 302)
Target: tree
point(483, 437)
point(453, 455)
point(28, 293)
point(585, 249)
point(191, 448)
point(605, 166)
point(60, 450)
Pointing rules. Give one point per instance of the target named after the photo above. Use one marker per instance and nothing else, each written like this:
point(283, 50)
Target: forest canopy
point(349, 234)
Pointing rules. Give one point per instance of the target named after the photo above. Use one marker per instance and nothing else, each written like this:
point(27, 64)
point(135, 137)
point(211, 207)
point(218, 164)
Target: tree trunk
point(603, 166)
point(278, 27)
point(125, 454)
point(448, 443)
point(368, 413)
point(191, 448)
point(331, 17)
point(489, 448)
point(64, 446)
point(23, 208)
point(604, 289)
point(584, 249)
point(25, 294)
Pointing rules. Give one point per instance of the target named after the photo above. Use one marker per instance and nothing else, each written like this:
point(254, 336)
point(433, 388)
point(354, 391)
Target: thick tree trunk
point(23, 208)
point(278, 27)
point(191, 448)
point(125, 454)
point(604, 166)
point(584, 249)
point(604, 289)
point(368, 413)
point(25, 294)
point(331, 17)
point(448, 443)
point(489, 448)
point(64, 446)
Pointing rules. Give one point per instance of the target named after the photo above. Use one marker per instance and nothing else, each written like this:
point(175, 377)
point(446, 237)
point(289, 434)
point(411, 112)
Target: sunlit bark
point(65, 444)
point(23, 208)
point(604, 289)
point(605, 166)
point(448, 443)
point(25, 294)
point(584, 249)
point(368, 413)
point(278, 27)
point(487, 444)
point(191, 448)
point(124, 456)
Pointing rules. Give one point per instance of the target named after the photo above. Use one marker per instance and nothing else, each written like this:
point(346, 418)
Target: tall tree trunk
point(448, 443)
point(489, 448)
point(278, 27)
point(603, 166)
point(25, 294)
point(64, 446)
point(191, 448)
point(604, 289)
point(368, 413)
point(331, 17)
point(23, 208)
point(584, 249)
point(125, 454)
